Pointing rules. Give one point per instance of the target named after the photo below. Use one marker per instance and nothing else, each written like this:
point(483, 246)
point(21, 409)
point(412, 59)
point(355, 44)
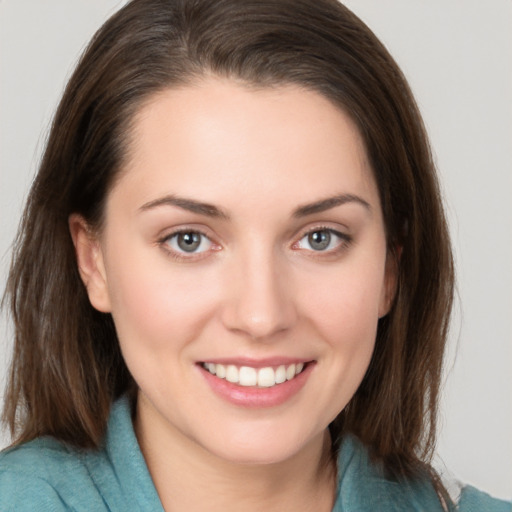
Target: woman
point(225, 275)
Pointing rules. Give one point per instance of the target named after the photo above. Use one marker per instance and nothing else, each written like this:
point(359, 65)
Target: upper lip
point(257, 363)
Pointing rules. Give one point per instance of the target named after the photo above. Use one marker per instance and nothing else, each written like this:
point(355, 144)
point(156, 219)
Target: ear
point(90, 262)
point(390, 286)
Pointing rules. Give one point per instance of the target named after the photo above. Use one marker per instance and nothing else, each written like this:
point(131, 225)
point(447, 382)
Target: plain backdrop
point(457, 55)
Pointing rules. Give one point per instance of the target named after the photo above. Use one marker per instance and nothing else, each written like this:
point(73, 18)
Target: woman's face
point(243, 259)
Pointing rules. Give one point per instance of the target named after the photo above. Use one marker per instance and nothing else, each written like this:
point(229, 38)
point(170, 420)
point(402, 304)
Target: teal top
point(47, 475)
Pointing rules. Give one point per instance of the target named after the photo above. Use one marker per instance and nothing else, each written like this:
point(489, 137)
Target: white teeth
point(220, 371)
point(232, 374)
point(266, 377)
point(281, 374)
point(248, 376)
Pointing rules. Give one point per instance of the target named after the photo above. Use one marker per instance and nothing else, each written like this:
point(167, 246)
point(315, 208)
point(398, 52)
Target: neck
point(189, 478)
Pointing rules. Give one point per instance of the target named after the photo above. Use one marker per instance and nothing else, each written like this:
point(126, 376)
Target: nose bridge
point(259, 303)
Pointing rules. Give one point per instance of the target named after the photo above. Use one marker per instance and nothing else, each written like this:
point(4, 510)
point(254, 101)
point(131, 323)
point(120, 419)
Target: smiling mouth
point(248, 376)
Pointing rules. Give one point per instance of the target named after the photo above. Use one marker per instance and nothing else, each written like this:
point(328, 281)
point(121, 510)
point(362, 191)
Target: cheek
point(345, 304)
point(345, 314)
point(155, 306)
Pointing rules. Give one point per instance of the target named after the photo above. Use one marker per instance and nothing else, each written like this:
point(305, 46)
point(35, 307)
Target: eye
point(322, 240)
point(190, 242)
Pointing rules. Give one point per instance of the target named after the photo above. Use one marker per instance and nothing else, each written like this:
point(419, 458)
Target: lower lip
point(254, 397)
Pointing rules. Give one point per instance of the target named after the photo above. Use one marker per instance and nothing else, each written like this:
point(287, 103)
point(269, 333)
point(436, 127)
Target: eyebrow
point(210, 210)
point(328, 203)
point(186, 204)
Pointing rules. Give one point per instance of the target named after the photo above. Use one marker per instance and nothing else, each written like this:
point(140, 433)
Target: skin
point(255, 288)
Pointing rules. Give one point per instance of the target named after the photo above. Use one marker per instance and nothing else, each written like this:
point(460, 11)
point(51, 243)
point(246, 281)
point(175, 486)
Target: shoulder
point(473, 500)
point(49, 473)
point(363, 487)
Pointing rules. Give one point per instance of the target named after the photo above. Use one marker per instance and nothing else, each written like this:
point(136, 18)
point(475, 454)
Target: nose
point(259, 301)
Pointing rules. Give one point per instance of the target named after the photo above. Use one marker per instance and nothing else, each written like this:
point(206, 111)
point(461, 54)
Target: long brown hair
point(67, 367)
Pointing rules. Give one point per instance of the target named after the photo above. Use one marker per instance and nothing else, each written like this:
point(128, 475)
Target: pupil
point(319, 240)
point(189, 242)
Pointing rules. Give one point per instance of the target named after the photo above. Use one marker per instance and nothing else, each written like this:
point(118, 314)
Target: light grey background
point(457, 55)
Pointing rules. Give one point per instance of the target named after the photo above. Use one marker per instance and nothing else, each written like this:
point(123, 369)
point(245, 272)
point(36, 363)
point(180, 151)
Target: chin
point(263, 448)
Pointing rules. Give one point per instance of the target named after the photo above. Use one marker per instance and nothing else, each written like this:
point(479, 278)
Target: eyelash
point(344, 241)
point(178, 255)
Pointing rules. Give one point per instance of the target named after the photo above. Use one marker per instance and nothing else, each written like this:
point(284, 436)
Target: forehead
point(218, 138)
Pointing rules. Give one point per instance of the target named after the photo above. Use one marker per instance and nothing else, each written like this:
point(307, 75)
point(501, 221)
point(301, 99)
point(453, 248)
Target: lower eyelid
point(165, 242)
point(343, 237)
